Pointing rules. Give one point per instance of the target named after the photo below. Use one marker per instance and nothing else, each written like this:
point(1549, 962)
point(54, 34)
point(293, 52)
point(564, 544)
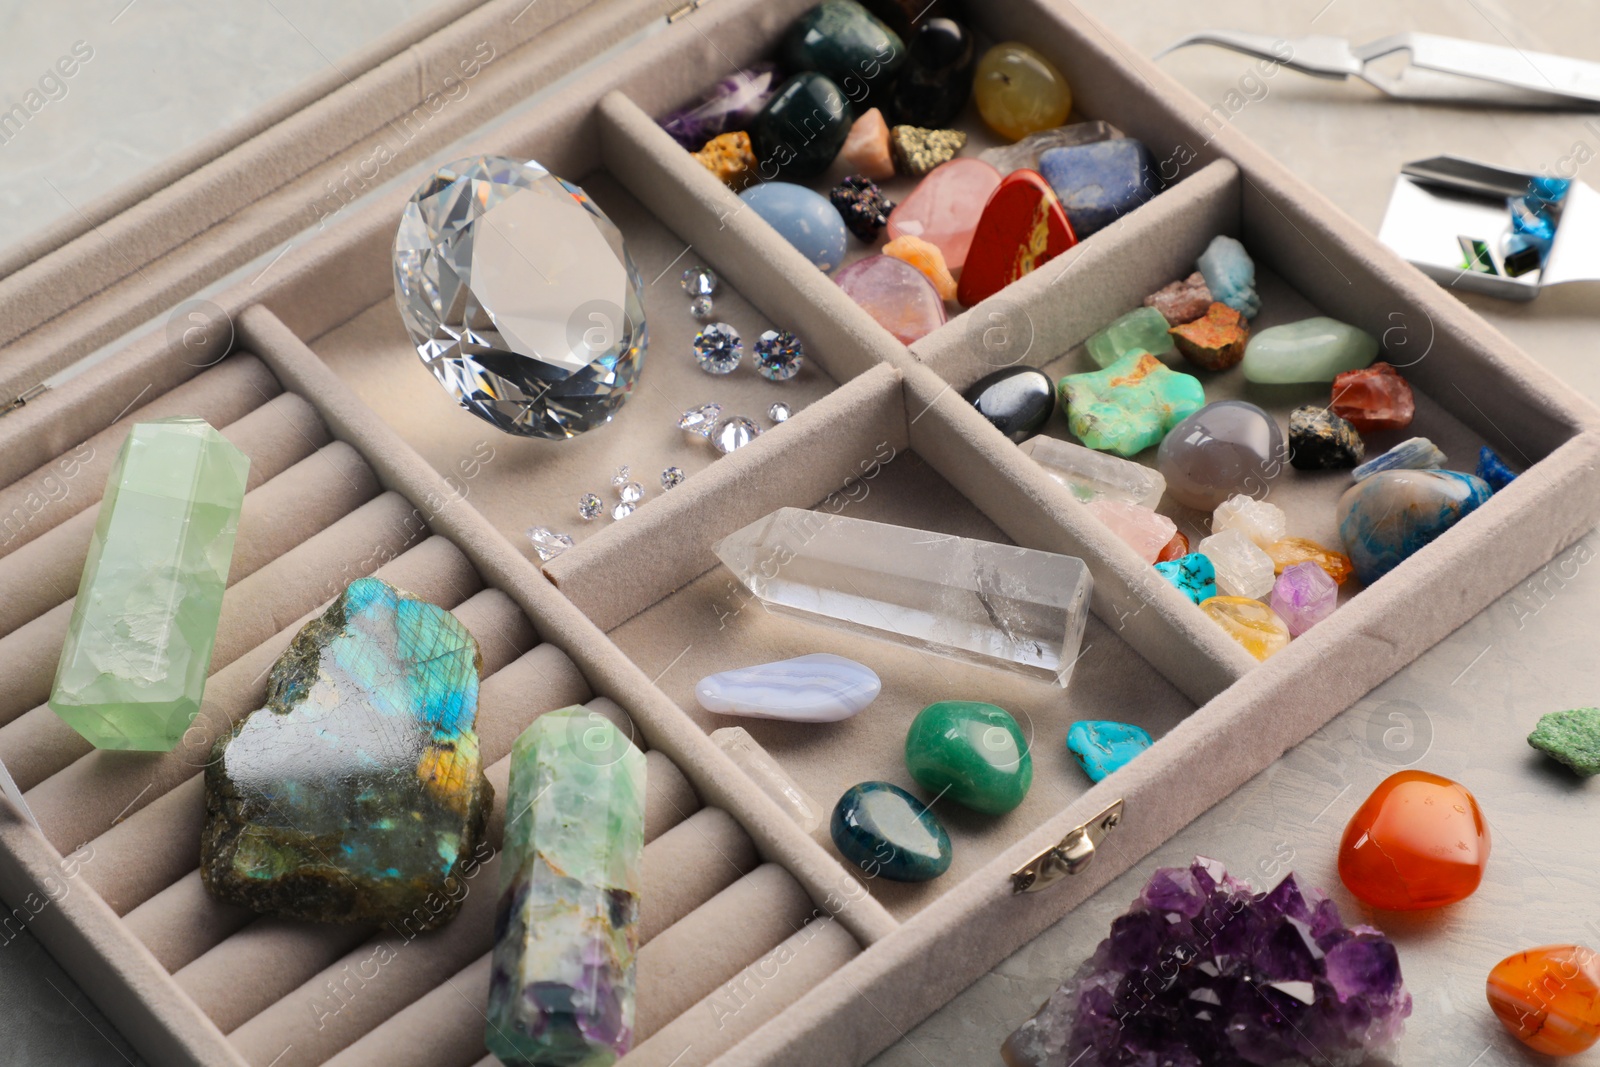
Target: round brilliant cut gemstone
point(717, 349)
point(621, 478)
point(672, 477)
point(700, 420)
point(779, 355)
point(548, 543)
point(779, 412)
point(699, 281)
point(520, 297)
point(702, 308)
point(589, 506)
point(631, 493)
point(734, 432)
point(622, 510)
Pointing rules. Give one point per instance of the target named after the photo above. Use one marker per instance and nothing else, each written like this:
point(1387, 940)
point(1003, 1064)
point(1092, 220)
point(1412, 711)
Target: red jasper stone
point(1176, 548)
point(1418, 842)
point(1374, 398)
point(1022, 228)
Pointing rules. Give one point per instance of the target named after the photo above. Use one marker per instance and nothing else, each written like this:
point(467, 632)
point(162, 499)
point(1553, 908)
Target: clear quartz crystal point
point(520, 297)
point(1094, 475)
point(973, 600)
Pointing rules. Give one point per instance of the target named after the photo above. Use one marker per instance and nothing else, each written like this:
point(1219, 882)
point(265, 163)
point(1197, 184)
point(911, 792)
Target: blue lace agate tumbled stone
point(888, 833)
point(1101, 746)
point(1391, 515)
point(1098, 183)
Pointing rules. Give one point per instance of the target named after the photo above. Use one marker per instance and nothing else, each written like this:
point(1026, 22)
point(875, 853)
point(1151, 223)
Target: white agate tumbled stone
point(815, 688)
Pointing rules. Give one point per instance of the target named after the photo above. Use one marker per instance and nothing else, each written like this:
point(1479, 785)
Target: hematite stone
point(936, 81)
point(800, 131)
point(1319, 440)
point(846, 42)
point(357, 793)
point(1017, 400)
point(862, 204)
point(889, 833)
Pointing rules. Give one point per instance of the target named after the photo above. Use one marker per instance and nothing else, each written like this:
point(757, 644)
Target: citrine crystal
point(561, 988)
point(139, 643)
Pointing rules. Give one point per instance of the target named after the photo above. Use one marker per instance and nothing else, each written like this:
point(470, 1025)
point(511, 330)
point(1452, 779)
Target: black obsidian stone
point(1017, 400)
point(904, 16)
point(1319, 440)
point(802, 128)
point(937, 79)
point(863, 205)
point(845, 41)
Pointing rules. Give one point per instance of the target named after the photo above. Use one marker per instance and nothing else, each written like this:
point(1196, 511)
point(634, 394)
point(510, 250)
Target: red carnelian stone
point(1374, 398)
point(1022, 228)
point(1176, 548)
point(1419, 841)
point(1549, 998)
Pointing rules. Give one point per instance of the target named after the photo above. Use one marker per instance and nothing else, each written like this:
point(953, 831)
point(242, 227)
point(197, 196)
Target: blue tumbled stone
point(1194, 575)
point(1230, 274)
point(1493, 469)
point(1393, 514)
point(804, 218)
point(1101, 746)
point(1100, 182)
point(889, 833)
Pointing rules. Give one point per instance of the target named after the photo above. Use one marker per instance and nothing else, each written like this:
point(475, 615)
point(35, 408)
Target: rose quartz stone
point(895, 293)
point(1147, 532)
point(867, 147)
point(945, 207)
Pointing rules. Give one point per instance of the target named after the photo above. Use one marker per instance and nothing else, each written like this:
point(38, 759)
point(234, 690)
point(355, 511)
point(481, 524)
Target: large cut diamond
point(520, 296)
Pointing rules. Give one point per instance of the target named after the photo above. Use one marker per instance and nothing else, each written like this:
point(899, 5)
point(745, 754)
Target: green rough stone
point(357, 793)
point(1130, 405)
point(1311, 350)
point(561, 985)
point(971, 752)
point(1140, 330)
point(1573, 737)
point(843, 40)
point(800, 131)
point(139, 643)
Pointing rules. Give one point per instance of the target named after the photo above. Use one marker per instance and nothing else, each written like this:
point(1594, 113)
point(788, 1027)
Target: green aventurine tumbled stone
point(1573, 737)
point(1140, 330)
point(561, 984)
point(139, 643)
point(846, 42)
point(1311, 350)
point(1130, 405)
point(357, 793)
point(972, 753)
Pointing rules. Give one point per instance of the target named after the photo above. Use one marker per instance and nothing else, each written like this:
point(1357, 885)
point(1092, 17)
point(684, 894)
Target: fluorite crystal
point(1203, 971)
point(1493, 470)
point(1092, 475)
point(1250, 622)
point(801, 129)
point(138, 647)
point(888, 833)
point(936, 81)
point(1230, 274)
point(1141, 330)
point(1019, 91)
point(1215, 341)
point(732, 104)
point(926, 257)
point(918, 151)
point(1018, 401)
point(1260, 520)
point(1243, 569)
point(1570, 737)
point(1194, 575)
point(1312, 350)
point(520, 297)
point(765, 771)
point(862, 205)
point(1101, 181)
point(561, 987)
point(1182, 301)
point(1022, 229)
point(1303, 596)
point(945, 207)
point(820, 687)
point(1412, 454)
point(972, 753)
point(1291, 550)
point(1549, 998)
point(1391, 515)
point(866, 148)
point(1224, 448)
point(1024, 155)
point(996, 605)
point(843, 40)
point(1146, 532)
point(1320, 440)
point(803, 218)
point(896, 294)
point(1101, 747)
point(1130, 405)
point(1419, 841)
point(1374, 398)
point(357, 793)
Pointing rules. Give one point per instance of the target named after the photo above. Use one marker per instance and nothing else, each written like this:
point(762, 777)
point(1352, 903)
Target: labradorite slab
point(843, 40)
point(971, 752)
point(1393, 514)
point(800, 131)
point(357, 793)
point(888, 833)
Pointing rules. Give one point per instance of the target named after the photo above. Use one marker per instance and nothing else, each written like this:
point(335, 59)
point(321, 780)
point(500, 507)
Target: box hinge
point(1073, 854)
point(22, 398)
point(686, 10)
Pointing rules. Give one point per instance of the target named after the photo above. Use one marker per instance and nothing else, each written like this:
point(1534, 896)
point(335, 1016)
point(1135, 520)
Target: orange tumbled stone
point(1176, 548)
point(1419, 841)
point(1291, 550)
point(1549, 998)
point(926, 257)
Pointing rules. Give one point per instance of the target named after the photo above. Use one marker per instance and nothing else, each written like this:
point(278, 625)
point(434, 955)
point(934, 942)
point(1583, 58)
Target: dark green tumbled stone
point(843, 40)
point(936, 81)
point(357, 793)
point(800, 131)
point(888, 833)
point(971, 752)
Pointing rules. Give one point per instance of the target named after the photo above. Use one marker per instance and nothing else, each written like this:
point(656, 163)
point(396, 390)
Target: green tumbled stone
point(1140, 330)
point(1311, 350)
point(1573, 737)
point(139, 642)
point(843, 40)
point(357, 793)
point(1130, 405)
point(971, 752)
point(800, 131)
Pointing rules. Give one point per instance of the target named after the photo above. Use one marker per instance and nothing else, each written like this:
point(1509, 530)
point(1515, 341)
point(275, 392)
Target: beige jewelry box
point(761, 945)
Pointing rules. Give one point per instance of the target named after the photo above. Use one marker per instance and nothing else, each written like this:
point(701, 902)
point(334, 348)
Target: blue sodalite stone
point(888, 833)
point(1101, 746)
point(1100, 182)
point(1493, 469)
point(1230, 274)
point(804, 218)
point(1194, 575)
point(1389, 516)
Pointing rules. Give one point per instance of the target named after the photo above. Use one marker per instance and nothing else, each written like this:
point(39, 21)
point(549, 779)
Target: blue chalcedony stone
point(804, 218)
point(1389, 516)
point(888, 833)
point(1194, 575)
point(1101, 746)
point(1493, 469)
point(1099, 182)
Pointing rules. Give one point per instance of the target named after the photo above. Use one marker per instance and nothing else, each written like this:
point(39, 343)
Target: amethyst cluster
point(732, 105)
point(1202, 971)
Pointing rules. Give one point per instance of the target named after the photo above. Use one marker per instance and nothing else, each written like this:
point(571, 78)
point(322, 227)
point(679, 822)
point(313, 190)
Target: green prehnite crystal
point(1572, 737)
point(1140, 330)
point(139, 644)
point(1131, 404)
point(561, 987)
point(357, 794)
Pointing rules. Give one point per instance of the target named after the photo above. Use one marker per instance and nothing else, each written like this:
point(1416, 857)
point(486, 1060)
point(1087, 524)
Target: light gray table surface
point(1461, 710)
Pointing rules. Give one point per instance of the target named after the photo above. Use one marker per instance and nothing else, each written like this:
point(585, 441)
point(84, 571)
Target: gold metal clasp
point(686, 10)
point(1074, 853)
point(22, 398)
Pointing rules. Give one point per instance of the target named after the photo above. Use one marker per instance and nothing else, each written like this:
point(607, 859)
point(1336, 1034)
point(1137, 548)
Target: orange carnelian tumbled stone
point(1549, 998)
point(1419, 841)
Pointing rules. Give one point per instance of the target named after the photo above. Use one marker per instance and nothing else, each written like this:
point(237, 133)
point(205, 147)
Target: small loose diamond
point(631, 493)
point(623, 510)
point(700, 420)
point(621, 478)
point(779, 355)
point(672, 477)
point(779, 412)
point(734, 432)
point(548, 543)
point(701, 308)
point(589, 506)
point(717, 349)
point(699, 281)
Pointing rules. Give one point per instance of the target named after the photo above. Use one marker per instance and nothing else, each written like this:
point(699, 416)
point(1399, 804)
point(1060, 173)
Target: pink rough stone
point(895, 293)
point(1182, 302)
point(1147, 532)
point(945, 207)
point(1303, 596)
point(867, 147)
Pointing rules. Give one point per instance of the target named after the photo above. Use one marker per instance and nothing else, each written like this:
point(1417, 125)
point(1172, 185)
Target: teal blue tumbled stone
point(888, 833)
point(803, 218)
point(1312, 350)
point(1101, 746)
point(800, 131)
point(843, 40)
point(1393, 514)
point(1194, 575)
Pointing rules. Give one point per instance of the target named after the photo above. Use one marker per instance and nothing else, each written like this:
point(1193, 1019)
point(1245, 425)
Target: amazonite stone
point(971, 752)
point(1141, 330)
point(1392, 515)
point(888, 833)
point(1130, 405)
point(1101, 746)
point(802, 217)
point(1311, 350)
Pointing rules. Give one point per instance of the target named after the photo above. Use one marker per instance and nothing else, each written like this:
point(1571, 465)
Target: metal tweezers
point(1440, 68)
